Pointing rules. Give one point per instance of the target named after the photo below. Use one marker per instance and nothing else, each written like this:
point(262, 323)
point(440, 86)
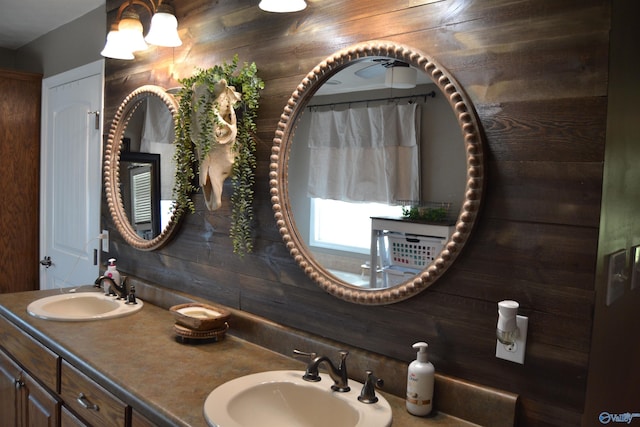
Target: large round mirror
point(377, 172)
point(139, 168)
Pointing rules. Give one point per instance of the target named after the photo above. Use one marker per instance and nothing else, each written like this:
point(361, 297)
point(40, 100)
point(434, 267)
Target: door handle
point(46, 262)
point(97, 116)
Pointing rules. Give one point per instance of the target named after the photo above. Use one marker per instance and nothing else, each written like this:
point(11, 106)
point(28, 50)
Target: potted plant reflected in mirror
point(429, 212)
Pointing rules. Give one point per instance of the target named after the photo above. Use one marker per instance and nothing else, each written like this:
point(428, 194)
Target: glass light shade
point(164, 30)
point(400, 77)
point(116, 46)
point(131, 29)
point(282, 6)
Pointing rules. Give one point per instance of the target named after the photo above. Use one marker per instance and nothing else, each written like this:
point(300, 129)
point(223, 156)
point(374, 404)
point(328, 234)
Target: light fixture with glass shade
point(400, 76)
point(126, 34)
point(116, 46)
point(164, 28)
point(282, 6)
point(131, 30)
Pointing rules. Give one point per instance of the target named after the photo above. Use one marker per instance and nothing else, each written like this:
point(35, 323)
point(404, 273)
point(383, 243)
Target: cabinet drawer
point(67, 419)
point(41, 362)
point(90, 400)
point(138, 420)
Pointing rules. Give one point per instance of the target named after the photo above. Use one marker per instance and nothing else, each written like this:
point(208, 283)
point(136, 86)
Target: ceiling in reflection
point(368, 74)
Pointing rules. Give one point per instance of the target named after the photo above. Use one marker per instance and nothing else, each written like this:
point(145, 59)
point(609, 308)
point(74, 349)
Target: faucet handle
point(301, 354)
point(131, 295)
point(311, 373)
point(368, 393)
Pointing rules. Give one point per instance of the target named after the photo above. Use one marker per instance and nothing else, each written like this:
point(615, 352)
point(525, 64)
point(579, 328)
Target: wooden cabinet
point(40, 389)
point(9, 375)
point(23, 398)
point(23, 401)
point(20, 177)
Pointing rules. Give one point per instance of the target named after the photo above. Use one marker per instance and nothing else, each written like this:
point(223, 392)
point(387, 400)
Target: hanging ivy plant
point(245, 80)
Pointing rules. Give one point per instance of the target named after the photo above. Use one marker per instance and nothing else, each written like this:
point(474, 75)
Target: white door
point(71, 151)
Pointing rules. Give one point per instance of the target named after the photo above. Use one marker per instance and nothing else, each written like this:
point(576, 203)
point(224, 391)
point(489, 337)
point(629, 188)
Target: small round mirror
point(139, 168)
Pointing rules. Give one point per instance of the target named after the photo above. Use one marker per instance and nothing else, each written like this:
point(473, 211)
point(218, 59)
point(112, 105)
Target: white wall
point(74, 44)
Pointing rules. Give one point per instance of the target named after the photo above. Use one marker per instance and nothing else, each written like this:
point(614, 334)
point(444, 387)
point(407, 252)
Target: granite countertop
point(138, 359)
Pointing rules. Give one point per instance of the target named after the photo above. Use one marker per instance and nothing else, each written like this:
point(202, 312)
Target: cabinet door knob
point(18, 383)
point(86, 403)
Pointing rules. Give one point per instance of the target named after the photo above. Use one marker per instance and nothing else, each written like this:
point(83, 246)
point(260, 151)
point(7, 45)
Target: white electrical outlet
point(515, 352)
point(616, 275)
point(105, 240)
point(635, 267)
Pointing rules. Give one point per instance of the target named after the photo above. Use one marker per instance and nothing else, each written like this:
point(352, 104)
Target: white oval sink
point(283, 398)
point(81, 306)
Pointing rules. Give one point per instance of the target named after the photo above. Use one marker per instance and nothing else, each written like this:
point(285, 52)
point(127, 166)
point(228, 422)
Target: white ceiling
point(23, 21)
point(347, 80)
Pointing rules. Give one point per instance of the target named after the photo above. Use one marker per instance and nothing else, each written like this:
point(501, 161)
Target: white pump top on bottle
point(422, 355)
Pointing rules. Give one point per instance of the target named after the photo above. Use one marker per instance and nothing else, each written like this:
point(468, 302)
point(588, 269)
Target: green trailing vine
point(245, 80)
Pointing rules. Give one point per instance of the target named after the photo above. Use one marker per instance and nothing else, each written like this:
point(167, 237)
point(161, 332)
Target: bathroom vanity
point(131, 371)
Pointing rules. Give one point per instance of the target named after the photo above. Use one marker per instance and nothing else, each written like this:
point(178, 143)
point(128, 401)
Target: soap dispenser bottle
point(420, 379)
point(113, 273)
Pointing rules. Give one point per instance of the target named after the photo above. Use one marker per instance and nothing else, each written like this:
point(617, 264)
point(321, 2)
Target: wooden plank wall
point(537, 73)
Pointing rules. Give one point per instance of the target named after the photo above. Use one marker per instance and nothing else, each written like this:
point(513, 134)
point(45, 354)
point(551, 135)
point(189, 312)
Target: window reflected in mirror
point(140, 189)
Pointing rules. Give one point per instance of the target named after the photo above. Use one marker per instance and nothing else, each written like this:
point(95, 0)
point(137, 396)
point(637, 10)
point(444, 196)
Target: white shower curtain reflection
point(157, 137)
point(367, 154)
point(158, 134)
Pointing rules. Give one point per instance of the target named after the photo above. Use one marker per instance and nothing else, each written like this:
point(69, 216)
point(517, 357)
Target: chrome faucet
point(120, 291)
point(338, 375)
